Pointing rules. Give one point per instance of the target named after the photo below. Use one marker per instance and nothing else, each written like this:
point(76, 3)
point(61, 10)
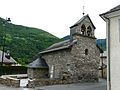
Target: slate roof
point(59, 46)
point(5, 60)
point(84, 17)
point(117, 8)
point(38, 63)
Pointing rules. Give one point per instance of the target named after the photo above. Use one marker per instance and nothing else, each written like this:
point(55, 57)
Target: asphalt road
point(102, 85)
point(74, 88)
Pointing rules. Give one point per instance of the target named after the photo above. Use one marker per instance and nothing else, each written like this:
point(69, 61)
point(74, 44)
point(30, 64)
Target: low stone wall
point(46, 82)
point(8, 81)
point(37, 73)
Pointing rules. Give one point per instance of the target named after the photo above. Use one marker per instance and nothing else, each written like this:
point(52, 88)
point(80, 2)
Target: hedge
point(6, 70)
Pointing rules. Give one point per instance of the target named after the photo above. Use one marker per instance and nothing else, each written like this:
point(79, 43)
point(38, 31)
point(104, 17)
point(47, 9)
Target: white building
point(7, 61)
point(104, 57)
point(103, 65)
point(112, 19)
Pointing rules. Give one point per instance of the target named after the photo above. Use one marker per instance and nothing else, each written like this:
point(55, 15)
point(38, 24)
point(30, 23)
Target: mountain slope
point(101, 43)
point(24, 42)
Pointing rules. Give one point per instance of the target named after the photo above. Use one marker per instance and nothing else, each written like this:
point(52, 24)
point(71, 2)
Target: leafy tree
point(24, 42)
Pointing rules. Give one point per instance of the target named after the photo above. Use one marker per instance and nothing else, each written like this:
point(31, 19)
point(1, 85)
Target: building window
point(83, 29)
point(86, 51)
point(89, 31)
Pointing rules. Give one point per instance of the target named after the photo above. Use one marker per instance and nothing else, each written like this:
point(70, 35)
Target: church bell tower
point(84, 27)
point(85, 51)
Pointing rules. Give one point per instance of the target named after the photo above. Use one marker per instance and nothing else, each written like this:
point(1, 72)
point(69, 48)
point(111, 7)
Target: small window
point(86, 51)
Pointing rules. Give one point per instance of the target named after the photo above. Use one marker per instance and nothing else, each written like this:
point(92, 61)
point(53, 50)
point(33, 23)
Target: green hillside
point(24, 42)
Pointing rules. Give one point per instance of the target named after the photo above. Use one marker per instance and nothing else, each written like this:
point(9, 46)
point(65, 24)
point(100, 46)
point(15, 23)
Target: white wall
point(115, 53)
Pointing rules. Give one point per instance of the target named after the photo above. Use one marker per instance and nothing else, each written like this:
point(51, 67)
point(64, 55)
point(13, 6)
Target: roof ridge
point(115, 8)
point(79, 21)
point(112, 10)
point(59, 46)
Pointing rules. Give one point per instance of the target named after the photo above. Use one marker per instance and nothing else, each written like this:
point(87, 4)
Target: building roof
point(5, 60)
point(67, 43)
point(117, 8)
point(84, 17)
point(59, 46)
point(38, 63)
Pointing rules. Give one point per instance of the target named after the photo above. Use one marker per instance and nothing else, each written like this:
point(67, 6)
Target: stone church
point(77, 58)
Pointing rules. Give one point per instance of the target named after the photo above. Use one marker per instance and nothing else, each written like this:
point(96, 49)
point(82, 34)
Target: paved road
point(80, 86)
point(102, 85)
point(9, 88)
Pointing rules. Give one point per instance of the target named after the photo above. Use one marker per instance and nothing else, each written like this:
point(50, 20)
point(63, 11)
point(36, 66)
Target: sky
point(56, 16)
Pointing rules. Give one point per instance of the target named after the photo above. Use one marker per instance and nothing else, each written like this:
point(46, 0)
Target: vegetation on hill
point(24, 42)
point(66, 37)
point(101, 43)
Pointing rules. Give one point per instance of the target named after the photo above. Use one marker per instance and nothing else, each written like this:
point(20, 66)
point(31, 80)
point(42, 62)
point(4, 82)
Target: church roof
point(5, 60)
point(67, 43)
point(59, 46)
point(84, 17)
point(117, 8)
point(38, 63)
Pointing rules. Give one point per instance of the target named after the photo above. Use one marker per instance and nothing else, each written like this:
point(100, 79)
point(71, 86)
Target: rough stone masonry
point(76, 58)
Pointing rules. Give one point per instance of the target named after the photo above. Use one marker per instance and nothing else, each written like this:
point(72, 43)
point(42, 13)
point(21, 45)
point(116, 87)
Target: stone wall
point(60, 60)
point(37, 73)
point(8, 81)
point(45, 82)
point(86, 67)
point(80, 62)
point(74, 61)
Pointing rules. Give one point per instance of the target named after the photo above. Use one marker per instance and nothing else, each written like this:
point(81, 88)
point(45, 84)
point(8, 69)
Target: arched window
point(83, 29)
point(89, 31)
point(86, 51)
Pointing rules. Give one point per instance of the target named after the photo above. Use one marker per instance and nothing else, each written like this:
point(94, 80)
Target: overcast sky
point(56, 16)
